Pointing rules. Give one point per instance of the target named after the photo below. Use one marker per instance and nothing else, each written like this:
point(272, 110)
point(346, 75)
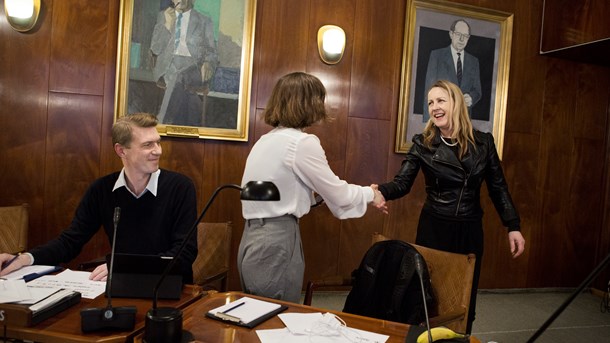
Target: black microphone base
point(110, 318)
point(163, 324)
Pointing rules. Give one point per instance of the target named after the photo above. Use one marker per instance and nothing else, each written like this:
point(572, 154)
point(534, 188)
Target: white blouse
point(296, 163)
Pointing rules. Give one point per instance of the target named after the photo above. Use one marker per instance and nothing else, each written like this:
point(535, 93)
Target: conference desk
point(65, 326)
point(203, 329)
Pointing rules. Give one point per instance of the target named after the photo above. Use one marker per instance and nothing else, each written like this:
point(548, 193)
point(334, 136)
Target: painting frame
point(490, 29)
point(135, 81)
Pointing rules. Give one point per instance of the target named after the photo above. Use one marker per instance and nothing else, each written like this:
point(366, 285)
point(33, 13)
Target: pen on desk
point(234, 307)
point(4, 265)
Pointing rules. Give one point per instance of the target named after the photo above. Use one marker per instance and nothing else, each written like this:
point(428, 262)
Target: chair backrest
point(214, 253)
point(14, 221)
point(451, 277)
point(386, 284)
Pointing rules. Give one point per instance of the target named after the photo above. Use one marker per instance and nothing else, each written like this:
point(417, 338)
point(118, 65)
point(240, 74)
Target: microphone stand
point(164, 324)
point(571, 298)
point(120, 318)
point(420, 271)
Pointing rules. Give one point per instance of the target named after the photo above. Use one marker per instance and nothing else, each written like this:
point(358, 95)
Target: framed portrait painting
point(467, 45)
point(188, 62)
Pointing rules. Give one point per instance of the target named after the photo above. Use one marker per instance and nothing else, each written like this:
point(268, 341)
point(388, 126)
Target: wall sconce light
point(331, 43)
point(22, 14)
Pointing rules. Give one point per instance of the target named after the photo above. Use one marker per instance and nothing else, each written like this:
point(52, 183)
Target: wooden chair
point(14, 222)
point(451, 277)
point(214, 254)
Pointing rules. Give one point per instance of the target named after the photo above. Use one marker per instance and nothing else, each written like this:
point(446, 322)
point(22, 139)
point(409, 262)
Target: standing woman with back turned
point(455, 160)
point(270, 257)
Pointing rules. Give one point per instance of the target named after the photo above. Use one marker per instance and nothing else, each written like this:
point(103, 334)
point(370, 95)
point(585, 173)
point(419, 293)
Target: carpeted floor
point(513, 316)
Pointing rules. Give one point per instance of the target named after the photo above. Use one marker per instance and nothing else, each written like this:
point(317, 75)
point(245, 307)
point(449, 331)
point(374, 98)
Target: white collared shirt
point(297, 164)
point(153, 182)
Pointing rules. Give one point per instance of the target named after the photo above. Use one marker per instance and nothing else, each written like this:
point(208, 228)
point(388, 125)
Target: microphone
point(419, 268)
point(164, 324)
point(112, 318)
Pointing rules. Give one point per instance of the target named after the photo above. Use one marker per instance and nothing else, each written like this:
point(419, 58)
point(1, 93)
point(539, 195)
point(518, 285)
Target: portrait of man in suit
point(185, 55)
point(454, 64)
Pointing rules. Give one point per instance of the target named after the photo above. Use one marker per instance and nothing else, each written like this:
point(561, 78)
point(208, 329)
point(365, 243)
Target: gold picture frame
point(427, 27)
point(199, 106)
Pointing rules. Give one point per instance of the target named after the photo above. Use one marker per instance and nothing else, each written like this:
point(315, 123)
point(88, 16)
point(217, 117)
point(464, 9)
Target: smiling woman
point(452, 218)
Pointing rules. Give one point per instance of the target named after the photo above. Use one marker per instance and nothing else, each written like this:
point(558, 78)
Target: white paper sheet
point(37, 294)
point(13, 290)
point(34, 269)
point(317, 328)
point(73, 280)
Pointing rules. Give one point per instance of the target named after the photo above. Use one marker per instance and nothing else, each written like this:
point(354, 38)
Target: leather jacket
point(453, 187)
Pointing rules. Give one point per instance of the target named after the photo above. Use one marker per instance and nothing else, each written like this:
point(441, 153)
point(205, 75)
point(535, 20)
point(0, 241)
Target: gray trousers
point(270, 258)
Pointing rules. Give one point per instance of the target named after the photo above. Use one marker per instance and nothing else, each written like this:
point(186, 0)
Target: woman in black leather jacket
point(455, 160)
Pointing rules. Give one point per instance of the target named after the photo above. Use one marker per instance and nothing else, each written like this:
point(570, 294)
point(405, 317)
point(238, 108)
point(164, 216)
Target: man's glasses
point(461, 35)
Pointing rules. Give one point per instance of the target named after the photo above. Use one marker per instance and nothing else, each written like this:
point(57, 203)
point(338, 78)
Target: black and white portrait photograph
point(464, 45)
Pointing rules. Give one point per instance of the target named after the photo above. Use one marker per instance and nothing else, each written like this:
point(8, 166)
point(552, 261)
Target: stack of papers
point(317, 327)
point(77, 281)
point(16, 291)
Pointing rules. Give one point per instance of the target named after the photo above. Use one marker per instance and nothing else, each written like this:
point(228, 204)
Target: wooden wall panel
point(72, 159)
point(78, 47)
point(364, 166)
point(24, 78)
point(377, 55)
point(568, 23)
point(556, 152)
point(282, 33)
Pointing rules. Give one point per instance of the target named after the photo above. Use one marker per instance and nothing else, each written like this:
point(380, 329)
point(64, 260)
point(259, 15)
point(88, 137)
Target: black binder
point(22, 315)
point(228, 318)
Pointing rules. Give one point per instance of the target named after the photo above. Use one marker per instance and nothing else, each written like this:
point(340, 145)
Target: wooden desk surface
point(65, 327)
point(204, 329)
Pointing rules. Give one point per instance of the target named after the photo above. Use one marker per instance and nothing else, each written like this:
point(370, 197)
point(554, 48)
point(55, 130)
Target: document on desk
point(77, 281)
point(246, 311)
point(13, 290)
point(317, 327)
point(29, 273)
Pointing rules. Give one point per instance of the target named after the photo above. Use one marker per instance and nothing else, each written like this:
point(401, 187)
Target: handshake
point(378, 199)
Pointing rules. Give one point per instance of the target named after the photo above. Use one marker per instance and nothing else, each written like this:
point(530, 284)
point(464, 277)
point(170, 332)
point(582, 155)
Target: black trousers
point(457, 236)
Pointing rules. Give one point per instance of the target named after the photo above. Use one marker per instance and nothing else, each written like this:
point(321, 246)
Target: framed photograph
point(190, 63)
point(437, 35)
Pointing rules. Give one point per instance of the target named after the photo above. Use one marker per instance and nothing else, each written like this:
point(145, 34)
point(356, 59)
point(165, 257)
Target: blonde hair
point(459, 123)
point(121, 130)
point(297, 101)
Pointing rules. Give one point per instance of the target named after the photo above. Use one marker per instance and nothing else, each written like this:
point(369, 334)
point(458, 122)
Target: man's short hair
point(452, 28)
point(121, 130)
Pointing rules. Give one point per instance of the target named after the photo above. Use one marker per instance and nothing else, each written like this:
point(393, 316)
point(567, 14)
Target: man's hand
point(207, 71)
point(170, 18)
point(468, 100)
point(10, 263)
point(100, 273)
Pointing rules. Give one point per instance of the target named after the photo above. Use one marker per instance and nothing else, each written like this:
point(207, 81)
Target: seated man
point(158, 207)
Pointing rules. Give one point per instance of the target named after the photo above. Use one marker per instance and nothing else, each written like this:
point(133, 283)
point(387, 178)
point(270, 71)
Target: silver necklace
point(449, 144)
